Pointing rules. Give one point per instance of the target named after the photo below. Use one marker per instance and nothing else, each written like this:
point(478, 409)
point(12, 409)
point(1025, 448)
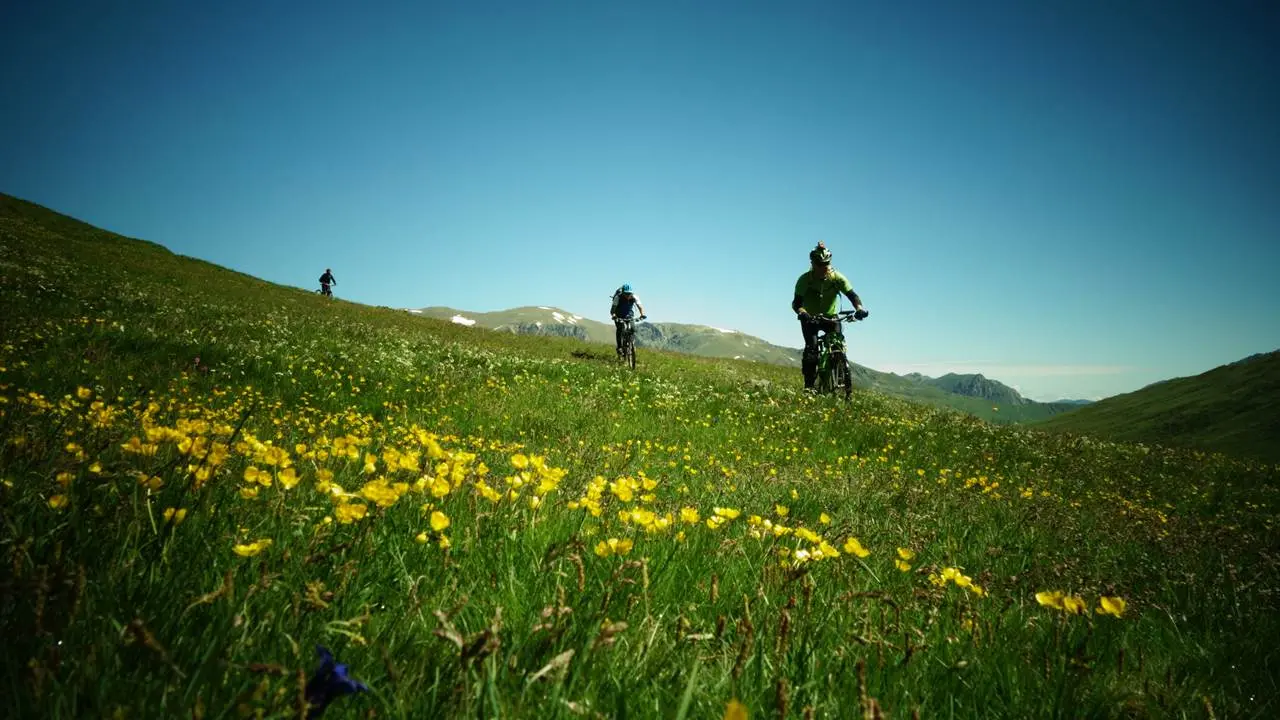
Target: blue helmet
point(626, 287)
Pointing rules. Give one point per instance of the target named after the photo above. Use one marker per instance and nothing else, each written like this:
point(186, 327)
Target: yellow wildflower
point(489, 493)
point(807, 534)
point(439, 521)
point(613, 546)
point(906, 554)
point(622, 490)
point(1111, 605)
point(1073, 605)
point(1050, 599)
point(57, 502)
point(254, 475)
point(853, 546)
point(177, 515)
point(440, 486)
point(253, 548)
point(348, 513)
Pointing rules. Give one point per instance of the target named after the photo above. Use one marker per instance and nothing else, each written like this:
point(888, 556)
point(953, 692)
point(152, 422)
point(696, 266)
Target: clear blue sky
point(1077, 198)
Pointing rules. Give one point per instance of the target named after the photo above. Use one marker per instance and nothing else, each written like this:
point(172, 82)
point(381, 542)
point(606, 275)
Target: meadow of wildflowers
point(212, 486)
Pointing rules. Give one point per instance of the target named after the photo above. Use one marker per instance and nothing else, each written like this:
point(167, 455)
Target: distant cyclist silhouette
point(326, 280)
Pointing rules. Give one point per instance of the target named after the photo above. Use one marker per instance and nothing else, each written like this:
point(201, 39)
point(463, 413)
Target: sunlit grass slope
point(204, 476)
point(1232, 409)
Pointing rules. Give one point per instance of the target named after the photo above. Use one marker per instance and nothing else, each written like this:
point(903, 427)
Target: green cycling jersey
point(819, 295)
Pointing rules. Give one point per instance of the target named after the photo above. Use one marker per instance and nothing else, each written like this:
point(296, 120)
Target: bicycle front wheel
point(631, 353)
point(824, 378)
point(843, 380)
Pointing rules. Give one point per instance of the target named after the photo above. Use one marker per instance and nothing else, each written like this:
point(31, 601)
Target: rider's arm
point(797, 302)
point(853, 298)
point(640, 307)
point(846, 287)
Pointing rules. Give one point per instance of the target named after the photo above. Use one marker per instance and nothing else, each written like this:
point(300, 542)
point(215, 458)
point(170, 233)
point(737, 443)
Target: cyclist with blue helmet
point(817, 295)
point(625, 303)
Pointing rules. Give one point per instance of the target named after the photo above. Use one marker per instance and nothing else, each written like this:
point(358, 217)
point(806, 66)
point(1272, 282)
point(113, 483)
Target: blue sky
point(1077, 198)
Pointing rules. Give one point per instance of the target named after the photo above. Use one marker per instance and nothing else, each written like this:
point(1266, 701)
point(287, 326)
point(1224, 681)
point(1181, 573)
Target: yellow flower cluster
point(950, 574)
point(613, 546)
point(1075, 605)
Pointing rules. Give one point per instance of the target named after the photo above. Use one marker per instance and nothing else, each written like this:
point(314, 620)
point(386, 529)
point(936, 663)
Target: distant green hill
point(1234, 409)
point(975, 385)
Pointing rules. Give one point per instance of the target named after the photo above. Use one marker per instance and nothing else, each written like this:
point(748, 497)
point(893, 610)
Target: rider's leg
point(809, 361)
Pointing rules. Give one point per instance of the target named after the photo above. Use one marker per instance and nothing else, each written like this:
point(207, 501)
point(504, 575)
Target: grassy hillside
point(1002, 408)
point(205, 476)
point(1233, 409)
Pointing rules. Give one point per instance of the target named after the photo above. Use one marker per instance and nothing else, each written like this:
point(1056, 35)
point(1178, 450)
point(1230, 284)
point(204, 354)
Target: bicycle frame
point(629, 339)
point(834, 375)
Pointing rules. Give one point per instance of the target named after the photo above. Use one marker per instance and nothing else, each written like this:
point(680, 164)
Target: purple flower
point(330, 682)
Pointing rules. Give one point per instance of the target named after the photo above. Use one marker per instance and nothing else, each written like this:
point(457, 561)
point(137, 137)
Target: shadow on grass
point(603, 356)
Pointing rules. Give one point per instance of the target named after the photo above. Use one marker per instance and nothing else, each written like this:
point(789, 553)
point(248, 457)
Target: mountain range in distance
point(971, 393)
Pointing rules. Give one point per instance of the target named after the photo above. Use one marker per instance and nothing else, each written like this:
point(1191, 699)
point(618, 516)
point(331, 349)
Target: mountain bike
point(627, 352)
point(325, 291)
point(834, 377)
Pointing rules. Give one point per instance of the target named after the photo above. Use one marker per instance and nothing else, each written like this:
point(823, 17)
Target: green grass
point(1233, 409)
point(110, 610)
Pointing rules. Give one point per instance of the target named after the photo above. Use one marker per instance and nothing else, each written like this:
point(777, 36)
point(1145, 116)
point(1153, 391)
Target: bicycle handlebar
point(843, 316)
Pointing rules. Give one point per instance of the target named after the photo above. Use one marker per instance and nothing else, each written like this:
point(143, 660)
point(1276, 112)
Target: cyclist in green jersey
point(817, 296)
